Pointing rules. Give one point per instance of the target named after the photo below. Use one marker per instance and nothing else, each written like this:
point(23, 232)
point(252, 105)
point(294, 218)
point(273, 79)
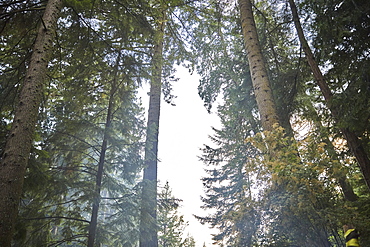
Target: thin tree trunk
point(18, 146)
point(261, 84)
point(99, 176)
point(148, 224)
point(100, 172)
point(353, 141)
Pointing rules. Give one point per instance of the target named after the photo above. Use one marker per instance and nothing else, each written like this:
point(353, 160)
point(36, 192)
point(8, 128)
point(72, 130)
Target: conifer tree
point(60, 197)
point(148, 224)
point(275, 199)
point(353, 141)
point(104, 146)
point(171, 225)
point(16, 153)
point(163, 14)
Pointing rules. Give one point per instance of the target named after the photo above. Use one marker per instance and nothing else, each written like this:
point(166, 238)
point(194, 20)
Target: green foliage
point(218, 50)
point(298, 189)
point(342, 45)
point(79, 5)
point(229, 183)
point(266, 189)
point(16, 42)
point(59, 186)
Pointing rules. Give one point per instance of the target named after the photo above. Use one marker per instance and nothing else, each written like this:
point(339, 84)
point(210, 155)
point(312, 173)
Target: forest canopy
point(289, 81)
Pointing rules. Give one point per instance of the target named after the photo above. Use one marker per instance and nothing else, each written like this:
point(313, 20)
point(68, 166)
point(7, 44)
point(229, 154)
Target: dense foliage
point(293, 186)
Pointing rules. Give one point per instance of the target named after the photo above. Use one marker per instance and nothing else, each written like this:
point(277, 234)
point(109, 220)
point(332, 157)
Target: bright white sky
point(183, 130)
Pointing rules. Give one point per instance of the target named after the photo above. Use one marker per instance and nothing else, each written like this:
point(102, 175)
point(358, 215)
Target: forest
point(288, 79)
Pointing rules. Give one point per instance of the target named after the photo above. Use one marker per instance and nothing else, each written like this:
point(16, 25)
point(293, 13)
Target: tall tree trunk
point(100, 172)
point(148, 224)
point(261, 84)
point(262, 90)
point(353, 141)
point(18, 146)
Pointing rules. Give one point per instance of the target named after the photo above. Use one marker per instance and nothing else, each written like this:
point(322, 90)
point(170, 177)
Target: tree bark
point(261, 85)
point(148, 224)
point(18, 146)
point(354, 143)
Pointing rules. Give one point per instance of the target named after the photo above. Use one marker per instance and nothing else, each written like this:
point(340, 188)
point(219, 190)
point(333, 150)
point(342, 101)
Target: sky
point(183, 129)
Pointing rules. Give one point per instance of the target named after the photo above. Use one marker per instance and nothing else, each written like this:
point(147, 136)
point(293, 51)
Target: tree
point(165, 32)
point(221, 63)
point(100, 171)
point(16, 153)
point(278, 187)
point(148, 225)
point(277, 198)
point(229, 183)
point(171, 225)
point(261, 84)
point(250, 37)
point(353, 141)
point(60, 197)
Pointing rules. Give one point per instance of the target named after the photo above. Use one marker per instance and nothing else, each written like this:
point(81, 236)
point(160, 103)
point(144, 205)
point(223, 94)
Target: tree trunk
point(100, 172)
point(148, 224)
point(18, 146)
point(99, 176)
point(354, 144)
point(261, 84)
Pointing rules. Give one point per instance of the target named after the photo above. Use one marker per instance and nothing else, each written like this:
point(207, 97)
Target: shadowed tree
point(103, 150)
point(269, 118)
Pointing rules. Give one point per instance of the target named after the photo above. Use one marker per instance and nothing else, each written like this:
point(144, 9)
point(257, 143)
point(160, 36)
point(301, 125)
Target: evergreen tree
point(276, 197)
point(171, 225)
point(16, 152)
point(148, 224)
point(353, 141)
point(167, 48)
point(71, 122)
point(84, 137)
